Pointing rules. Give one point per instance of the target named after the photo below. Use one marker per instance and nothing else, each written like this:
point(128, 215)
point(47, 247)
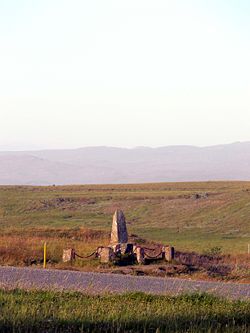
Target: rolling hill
point(93, 165)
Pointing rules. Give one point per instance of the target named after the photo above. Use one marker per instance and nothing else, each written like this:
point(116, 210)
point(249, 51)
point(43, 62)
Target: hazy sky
point(124, 73)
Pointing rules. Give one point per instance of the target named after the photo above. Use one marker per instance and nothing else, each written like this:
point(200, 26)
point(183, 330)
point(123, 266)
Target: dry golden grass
point(17, 248)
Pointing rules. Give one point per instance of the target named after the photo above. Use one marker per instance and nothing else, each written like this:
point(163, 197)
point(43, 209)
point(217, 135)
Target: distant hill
point(92, 165)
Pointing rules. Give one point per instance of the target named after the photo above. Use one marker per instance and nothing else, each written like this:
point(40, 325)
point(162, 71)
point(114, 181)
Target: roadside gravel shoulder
point(98, 283)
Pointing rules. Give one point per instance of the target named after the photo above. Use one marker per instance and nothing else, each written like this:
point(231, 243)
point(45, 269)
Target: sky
point(77, 73)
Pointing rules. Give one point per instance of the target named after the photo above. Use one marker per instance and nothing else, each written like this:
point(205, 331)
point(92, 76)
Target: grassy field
point(197, 217)
point(166, 212)
point(34, 311)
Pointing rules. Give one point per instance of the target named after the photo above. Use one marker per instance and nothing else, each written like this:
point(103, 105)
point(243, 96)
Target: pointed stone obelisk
point(119, 232)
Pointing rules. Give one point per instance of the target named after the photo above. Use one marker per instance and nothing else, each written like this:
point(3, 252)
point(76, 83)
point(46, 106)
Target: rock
point(68, 255)
point(119, 232)
point(168, 252)
point(129, 248)
point(116, 248)
point(140, 255)
point(106, 255)
point(126, 248)
point(197, 196)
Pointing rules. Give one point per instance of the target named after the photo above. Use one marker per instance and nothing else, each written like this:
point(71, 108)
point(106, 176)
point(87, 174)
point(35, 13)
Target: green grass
point(165, 212)
point(40, 311)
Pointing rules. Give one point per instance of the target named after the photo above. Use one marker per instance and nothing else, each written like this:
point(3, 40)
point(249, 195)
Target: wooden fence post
point(44, 254)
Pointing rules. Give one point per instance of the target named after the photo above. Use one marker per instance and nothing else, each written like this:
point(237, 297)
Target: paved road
point(96, 283)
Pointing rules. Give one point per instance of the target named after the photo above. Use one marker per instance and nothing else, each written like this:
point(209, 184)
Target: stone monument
point(119, 234)
point(119, 250)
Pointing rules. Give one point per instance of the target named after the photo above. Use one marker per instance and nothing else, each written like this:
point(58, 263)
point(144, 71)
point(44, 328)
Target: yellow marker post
point(44, 254)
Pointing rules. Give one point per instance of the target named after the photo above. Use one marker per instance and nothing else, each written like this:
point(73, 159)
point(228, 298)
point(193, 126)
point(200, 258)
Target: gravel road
point(96, 283)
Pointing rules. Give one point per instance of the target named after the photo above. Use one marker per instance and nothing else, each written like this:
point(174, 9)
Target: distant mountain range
point(99, 165)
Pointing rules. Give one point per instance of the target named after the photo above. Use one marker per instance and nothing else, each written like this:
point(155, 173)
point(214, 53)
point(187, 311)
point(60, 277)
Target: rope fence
point(95, 253)
point(88, 256)
point(153, 257)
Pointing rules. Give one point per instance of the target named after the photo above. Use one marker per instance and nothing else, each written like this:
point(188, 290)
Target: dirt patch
point(63, 203)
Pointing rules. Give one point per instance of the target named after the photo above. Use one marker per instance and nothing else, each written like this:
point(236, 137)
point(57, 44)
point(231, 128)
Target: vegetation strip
point(40, 311)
